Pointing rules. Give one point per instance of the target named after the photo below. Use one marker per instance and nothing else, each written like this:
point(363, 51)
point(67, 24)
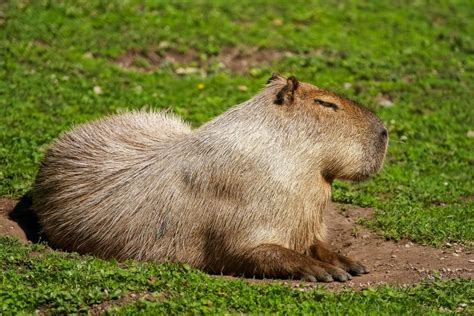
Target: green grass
point(53, 54)
point(33, 278)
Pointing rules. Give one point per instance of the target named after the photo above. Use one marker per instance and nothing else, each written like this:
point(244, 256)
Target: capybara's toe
point(357, 268)
point(339, 274)
point(324, 278)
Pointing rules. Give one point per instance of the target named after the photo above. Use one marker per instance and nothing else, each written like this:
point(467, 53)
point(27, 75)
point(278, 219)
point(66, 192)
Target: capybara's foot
point(321, 252)
point(274, 261)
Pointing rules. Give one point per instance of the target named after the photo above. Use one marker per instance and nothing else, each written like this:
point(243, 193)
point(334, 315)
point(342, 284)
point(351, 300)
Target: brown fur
point(243, 194)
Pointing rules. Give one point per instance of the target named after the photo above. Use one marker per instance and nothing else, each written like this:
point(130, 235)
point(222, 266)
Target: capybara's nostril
point(384, 133)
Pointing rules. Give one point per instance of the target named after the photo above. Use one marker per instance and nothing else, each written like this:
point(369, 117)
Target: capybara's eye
point(326, 104)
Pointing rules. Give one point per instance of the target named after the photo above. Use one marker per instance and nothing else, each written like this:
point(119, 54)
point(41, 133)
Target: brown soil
point(155, 58)
point(7, 225)
point(17, 219)
point(235, 59)
point(240, 60)
point(401, 262)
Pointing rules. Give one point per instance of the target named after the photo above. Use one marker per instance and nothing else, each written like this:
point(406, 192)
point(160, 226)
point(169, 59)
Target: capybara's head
point(348, 141)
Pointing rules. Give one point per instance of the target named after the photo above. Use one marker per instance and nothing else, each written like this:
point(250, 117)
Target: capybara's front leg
point(274, 261)
point(320, 251)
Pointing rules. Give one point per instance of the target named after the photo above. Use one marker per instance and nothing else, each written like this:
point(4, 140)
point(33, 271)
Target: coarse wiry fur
point(222, 197)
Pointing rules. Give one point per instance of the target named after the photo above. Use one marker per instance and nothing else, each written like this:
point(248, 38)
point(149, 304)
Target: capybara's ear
point(293, 83)
point(287, 94)
point(275, 76)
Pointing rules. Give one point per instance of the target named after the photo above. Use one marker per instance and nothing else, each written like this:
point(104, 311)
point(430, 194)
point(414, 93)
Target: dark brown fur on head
point(287, 94)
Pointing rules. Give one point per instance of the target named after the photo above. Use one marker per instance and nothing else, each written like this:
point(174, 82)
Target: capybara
point(244, 194)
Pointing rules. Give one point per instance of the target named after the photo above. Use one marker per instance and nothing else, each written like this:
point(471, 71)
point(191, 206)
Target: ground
point(402, 262)
point(63, 63)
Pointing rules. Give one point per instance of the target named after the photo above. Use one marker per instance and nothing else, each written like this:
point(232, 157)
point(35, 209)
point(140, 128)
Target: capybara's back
point(92, 192)
point(244, 194)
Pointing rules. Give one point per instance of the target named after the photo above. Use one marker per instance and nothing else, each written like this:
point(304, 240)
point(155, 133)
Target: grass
point(34, 278)
point(53, 54)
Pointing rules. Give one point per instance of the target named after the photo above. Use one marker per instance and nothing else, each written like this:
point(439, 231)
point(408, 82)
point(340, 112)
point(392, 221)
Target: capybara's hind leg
point(320, 251)
point(274, 261)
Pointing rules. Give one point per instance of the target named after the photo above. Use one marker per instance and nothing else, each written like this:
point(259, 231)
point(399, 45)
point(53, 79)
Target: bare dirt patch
point(242, 59)
point(7, 225)
point(18, 220)
point(150, 59)
point(235, 59)
point(402, 262)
